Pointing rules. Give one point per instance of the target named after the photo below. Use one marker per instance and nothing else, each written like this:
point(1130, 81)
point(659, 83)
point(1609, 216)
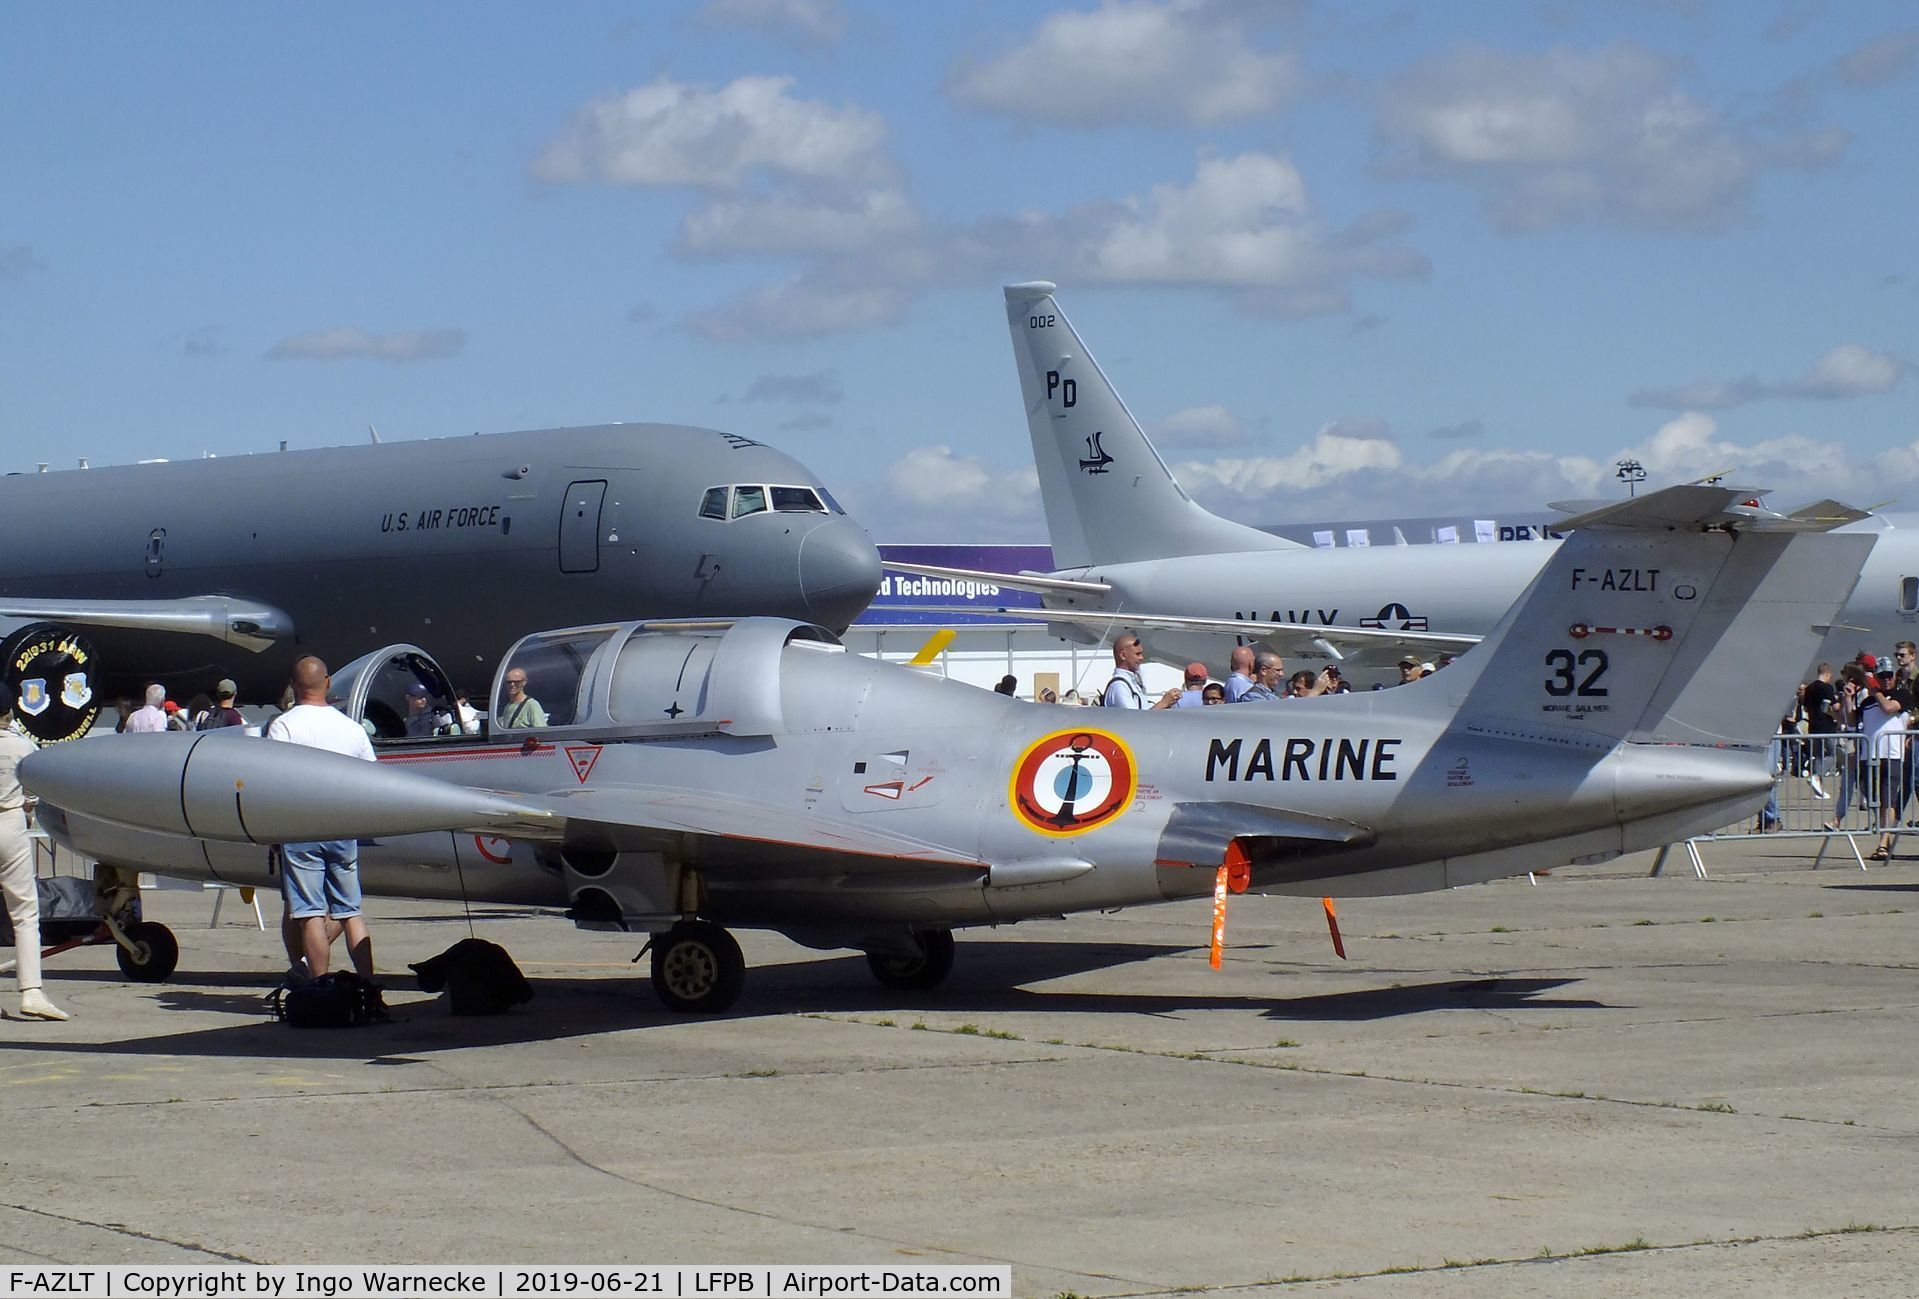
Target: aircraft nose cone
point(839, 572)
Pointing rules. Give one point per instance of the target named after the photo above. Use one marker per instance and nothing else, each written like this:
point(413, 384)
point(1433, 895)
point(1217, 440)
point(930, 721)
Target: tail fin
point(1109, 498)
point(1676, 618)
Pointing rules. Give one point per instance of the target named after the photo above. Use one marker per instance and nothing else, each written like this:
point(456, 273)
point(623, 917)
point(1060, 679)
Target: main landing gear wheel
point(916, 973)
point(156, 952)
point(697, 968)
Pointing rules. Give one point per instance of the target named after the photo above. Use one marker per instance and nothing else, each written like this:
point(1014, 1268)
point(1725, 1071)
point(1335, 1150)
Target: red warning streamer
point(1332, 923)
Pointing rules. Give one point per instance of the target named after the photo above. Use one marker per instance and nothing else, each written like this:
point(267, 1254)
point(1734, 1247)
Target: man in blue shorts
point(323, 879)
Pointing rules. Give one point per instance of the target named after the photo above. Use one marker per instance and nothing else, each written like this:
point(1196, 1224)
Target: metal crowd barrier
point(1827, 787)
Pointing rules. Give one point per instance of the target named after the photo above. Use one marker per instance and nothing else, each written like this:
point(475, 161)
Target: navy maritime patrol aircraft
point(691, 777)
point(190, 571)
point(1132, 550)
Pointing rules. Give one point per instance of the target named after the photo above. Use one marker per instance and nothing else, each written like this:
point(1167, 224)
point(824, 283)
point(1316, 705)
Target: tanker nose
point(839, 572)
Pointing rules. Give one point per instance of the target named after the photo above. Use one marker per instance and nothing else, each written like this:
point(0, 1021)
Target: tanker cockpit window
point(713, 504)
point(796, 500)
point(748, 500)
point(549, 680)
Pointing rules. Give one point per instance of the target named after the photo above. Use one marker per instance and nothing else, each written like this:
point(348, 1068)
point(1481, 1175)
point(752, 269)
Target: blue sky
point(1342, 259)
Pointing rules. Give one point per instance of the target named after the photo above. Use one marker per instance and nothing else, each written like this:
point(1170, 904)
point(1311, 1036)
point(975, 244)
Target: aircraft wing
point(677, 812)
point(1037, 582)
point(1287, 637)
point(246, 623)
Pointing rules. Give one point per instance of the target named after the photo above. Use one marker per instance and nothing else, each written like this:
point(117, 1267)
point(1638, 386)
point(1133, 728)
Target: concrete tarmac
point(1601, 1084)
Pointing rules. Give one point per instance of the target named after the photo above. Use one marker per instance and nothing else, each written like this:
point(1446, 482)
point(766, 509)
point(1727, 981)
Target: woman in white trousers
point(16, 872)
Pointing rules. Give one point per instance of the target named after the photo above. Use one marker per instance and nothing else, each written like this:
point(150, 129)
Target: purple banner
point(908, 599)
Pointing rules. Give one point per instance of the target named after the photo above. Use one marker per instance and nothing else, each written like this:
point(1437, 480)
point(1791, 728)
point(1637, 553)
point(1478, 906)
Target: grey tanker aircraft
point(1131, 549)
point(189, 571)
point(694, 776)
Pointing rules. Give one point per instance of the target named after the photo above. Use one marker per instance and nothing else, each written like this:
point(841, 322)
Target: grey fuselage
point(1460, 589)
point(938, 763)
point(461, 543)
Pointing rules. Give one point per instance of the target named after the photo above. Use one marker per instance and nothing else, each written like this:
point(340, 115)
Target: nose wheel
point(698, 968)
point(925, 968)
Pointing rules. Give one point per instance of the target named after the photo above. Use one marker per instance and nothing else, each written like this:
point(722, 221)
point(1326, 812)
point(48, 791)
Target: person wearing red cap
point(1193, 695)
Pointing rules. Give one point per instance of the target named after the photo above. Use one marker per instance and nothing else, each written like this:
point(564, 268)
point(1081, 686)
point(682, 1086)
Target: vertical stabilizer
point(1676, 618)
point(1109, 498)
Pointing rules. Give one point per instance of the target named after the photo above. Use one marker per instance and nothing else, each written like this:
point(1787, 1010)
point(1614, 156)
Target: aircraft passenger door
point(580, 526)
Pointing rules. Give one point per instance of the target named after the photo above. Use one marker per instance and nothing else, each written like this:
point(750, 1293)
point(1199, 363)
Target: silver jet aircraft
point(696, 777)
point(1132, 550)
point(189, 571)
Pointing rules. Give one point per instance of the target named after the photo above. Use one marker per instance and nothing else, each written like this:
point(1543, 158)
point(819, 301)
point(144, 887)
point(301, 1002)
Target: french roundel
point(1070, 782)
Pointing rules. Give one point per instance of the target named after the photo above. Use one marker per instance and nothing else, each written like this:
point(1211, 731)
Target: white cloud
point(1362, 428)
point(17, 261)
point(1851, 370)
point(1199, 426)
point(1134, 61)
point(667, 133)
point(1884, 58)
point(803, 307)
point(345, 344)
point(847, 222)
point(1848, 370)
point(821, 386)
point(931, 494)
point(1328, 457)
point(1244, 223)
point(798, 22)
point(1569, 135)
point(1333, 477)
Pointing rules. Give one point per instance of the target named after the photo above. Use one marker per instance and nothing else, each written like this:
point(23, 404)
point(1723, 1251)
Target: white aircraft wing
point(1341, 641)
point(246, 623)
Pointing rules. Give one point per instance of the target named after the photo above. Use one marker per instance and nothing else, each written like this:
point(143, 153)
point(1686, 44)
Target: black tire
point(916, 973)
point(159, 952)
point(698, 968)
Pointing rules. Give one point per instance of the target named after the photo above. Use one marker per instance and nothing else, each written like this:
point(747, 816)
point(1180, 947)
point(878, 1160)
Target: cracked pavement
point(1602, 1084)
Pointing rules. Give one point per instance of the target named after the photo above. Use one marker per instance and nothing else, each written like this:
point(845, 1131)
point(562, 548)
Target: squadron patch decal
point(1070, 782)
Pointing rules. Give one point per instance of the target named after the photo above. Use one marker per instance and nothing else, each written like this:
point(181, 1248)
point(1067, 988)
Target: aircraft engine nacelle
point(48, 671)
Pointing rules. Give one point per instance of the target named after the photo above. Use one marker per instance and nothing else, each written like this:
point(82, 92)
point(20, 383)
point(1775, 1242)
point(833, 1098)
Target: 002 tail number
point(1562, 682)
point(1039, 322)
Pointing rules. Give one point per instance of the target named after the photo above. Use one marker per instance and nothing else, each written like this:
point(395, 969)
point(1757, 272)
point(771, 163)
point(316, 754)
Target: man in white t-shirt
point(323, 879)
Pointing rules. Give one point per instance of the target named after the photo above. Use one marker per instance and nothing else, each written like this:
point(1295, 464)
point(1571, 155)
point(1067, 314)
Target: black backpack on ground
point(339, 1000)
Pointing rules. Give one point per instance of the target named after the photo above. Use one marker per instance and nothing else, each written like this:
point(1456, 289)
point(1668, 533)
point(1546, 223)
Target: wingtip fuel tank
point(240, 789)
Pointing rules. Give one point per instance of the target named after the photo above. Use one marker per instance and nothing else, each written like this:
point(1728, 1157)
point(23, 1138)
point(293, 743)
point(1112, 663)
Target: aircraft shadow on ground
point(989, 978)
point(1875, 888)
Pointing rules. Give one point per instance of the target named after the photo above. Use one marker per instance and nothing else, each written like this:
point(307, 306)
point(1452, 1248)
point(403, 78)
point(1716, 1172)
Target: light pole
point(1631, 473)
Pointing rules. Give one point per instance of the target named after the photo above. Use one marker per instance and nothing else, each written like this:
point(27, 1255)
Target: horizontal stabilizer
point(1686, 506)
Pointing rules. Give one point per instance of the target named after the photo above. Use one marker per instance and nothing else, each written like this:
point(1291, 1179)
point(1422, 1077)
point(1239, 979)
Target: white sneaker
point(34, 1005)
point(1818, 790)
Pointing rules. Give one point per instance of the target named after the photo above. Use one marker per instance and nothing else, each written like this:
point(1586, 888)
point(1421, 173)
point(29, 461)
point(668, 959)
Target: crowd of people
point(1860, 729)
point(1253, 676)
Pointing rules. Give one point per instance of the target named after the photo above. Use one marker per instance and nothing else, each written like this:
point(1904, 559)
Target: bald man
point(322, 879)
